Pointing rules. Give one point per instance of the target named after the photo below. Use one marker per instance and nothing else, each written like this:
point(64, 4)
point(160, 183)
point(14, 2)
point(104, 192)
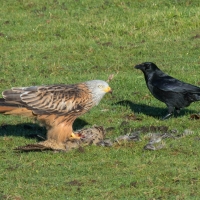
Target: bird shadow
point(32, 130)
point(79, 124)
point(155, 112)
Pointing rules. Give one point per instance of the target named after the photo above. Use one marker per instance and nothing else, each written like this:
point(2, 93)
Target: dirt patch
point(7, 22)
point(133, 184)
point(197, 36)
point(13, 168)
point(2, 80)
point(105, 43)
point(154, 129)
point(75, 183)
point(132, 117)
point(195, 116)
point(92, 181)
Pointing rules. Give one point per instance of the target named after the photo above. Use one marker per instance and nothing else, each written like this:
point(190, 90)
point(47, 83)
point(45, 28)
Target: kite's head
point(98, 88)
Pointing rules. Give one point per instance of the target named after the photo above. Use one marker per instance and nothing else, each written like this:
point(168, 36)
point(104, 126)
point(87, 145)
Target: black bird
point(174, 93)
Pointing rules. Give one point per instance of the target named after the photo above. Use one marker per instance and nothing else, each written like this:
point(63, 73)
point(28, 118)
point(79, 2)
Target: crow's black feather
point(174, 93)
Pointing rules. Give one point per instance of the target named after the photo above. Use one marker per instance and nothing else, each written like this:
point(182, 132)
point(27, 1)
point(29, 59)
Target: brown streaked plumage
point(54, 106)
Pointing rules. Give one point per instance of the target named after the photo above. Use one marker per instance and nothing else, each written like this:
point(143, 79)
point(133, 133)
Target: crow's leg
point(170, 112)
point(177, 111)
point(167, 116)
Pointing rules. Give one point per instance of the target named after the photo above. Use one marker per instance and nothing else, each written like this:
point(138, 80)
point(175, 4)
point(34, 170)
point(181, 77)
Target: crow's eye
point(147, 67)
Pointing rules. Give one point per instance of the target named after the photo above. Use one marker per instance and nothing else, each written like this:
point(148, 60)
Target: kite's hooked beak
point(108, 90)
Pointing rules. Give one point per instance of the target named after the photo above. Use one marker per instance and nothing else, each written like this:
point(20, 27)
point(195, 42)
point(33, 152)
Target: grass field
point(59, 41)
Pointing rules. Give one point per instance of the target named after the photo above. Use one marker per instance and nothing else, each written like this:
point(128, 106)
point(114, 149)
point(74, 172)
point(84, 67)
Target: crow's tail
point(196, 96)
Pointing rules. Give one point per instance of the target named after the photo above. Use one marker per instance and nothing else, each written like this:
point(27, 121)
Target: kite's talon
point(75, 136)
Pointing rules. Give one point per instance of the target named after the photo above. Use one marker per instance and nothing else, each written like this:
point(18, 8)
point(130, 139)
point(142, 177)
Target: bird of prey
point(174, 93)
point(54, 106)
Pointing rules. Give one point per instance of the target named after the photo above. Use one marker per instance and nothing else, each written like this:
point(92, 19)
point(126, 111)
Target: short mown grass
point(59, 41)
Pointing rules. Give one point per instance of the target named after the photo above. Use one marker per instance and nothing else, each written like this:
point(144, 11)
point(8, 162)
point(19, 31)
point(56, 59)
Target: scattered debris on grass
point(96, 136)
point(156, 139)
point(111, 76)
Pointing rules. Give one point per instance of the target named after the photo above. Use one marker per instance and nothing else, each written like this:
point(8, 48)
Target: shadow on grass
point(155, 112)
point(33, 130)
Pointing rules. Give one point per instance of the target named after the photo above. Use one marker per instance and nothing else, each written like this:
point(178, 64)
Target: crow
point(174, 93)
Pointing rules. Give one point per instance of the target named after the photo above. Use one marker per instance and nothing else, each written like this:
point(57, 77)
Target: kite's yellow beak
point(108, 89)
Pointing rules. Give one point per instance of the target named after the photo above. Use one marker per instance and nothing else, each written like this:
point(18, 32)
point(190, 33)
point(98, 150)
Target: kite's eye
point(100, 86)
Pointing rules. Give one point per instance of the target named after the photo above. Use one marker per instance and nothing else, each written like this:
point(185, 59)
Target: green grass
point(59, 41)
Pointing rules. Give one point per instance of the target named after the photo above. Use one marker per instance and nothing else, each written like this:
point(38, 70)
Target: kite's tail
point(11, 108)
point(6, 107)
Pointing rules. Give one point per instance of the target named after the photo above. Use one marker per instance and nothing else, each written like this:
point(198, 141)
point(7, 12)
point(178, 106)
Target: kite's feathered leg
point(60, 133)
point(58, 128)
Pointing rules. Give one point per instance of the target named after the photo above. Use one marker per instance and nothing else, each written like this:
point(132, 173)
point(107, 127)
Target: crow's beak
point(139, 66)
